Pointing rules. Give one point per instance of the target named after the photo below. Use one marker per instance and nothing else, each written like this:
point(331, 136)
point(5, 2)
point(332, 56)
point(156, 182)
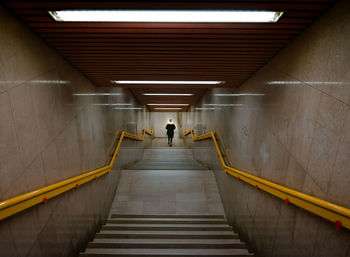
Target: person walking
point(170, 127)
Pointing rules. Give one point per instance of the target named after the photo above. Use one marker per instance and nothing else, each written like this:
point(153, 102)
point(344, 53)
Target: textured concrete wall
point(295, 133)
point(48, 134)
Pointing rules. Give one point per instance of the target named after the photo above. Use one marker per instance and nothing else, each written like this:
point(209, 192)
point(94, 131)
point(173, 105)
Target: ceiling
point(230, 52)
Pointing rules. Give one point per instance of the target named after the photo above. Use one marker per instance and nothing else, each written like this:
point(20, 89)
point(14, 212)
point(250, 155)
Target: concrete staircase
point(166, 235)
point(167, 158)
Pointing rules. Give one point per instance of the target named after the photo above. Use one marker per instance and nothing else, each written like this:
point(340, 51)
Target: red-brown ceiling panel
point(230, 52)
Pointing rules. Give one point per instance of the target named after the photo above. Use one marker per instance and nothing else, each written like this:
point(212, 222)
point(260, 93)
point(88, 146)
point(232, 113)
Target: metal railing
point(332, 212)
point(42, 195)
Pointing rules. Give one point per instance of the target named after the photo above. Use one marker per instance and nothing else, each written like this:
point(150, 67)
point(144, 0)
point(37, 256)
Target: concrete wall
point(48, 134)
point(295, 133)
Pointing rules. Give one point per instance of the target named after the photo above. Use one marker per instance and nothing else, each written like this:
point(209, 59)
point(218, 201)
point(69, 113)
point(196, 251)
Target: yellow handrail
point(332, 212)
point(25, 201)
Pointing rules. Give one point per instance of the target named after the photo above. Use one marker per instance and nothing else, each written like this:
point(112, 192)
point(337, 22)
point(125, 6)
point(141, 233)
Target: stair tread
point(180, 252)
point(170, 225)
point(170, 219)
point(167, 241)
point(170, 232)
point(178, 216)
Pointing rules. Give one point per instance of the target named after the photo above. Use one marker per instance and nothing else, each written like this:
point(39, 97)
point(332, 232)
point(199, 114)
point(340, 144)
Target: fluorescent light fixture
point(168, 108)
point(167, 82)
point(128, 108)
point(119, 104)
point(292, 82)
point(223, 16)
point(97, 94)
point(169, 104)
point(202, 108)
point(222, 104)
point(166, 94)
point(242, 94)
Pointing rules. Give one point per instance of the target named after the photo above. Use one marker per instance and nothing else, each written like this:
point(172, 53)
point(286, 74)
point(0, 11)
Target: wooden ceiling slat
point(163, 41)
point(167, 26)
point(166, 72)
point(167, 31)
point(184, 65)
point(169, 53)
point(246, 5)
point(289, 14)
point(116, 49)
point(169, 69)
point(284, 20)
point(173, 57)
point(169, 63)
point(162, 36)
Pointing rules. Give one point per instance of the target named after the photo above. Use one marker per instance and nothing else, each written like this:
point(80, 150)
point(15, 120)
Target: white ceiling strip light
point(217, 16)
point(167, 82)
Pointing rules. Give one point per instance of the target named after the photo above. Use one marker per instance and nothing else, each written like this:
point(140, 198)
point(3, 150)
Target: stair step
point(168, 228)
point(167, 244)
point(165, 252)
point(167, 241)
point(170, 225)
point(165, 221)
point(167, 234)
point(169, 216)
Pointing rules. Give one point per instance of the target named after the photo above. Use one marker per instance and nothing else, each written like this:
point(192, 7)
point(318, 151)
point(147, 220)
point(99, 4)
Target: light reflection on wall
point(38, 81)
point(292, 82)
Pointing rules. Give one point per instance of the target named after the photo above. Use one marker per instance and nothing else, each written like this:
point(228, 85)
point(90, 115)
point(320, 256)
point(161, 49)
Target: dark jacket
point(170, 129)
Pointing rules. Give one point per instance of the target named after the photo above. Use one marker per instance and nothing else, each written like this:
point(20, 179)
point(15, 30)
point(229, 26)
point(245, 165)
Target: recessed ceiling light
point(119, 104)
point(128, 108)
point(166, 94)
point(166, 82)
point(168, 108)
point(223, 16)
point(242, 94)
point(222, 104)
point(97, 94)
point(169, 104)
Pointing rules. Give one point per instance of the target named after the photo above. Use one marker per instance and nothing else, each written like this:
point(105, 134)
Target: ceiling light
point(168, 108)
point(170, 104)
point(165, 16)
point(222, 104)
point(166, 94)
point(166, 82)
point(97, 94)
point(119, 104)
point(242, 94)
point(128, 108)
point(201, 108)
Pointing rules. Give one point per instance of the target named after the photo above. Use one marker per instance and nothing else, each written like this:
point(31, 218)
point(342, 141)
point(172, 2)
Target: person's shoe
point(171, 144)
